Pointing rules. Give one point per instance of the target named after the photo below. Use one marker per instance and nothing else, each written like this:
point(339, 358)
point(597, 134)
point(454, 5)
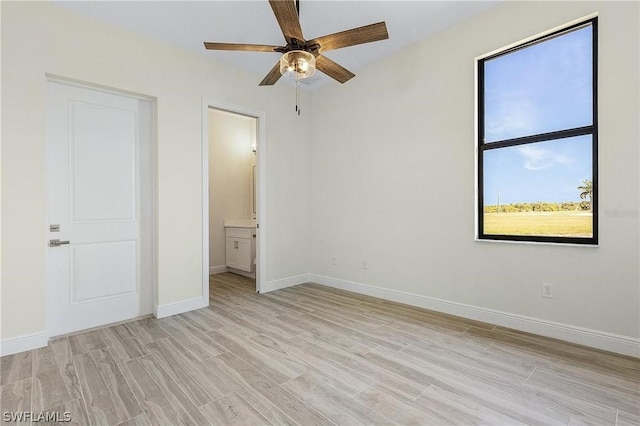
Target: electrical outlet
point(365, 265)
point(547, 290)
point(334, 261)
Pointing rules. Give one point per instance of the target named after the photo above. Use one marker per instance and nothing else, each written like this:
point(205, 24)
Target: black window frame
point(532, 139)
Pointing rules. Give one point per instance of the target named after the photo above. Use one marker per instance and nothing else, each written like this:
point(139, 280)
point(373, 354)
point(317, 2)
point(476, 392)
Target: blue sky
point(545, 171)
point(542, 88)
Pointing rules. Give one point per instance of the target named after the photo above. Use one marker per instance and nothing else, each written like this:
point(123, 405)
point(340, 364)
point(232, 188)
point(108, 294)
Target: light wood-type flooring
point(312, 355)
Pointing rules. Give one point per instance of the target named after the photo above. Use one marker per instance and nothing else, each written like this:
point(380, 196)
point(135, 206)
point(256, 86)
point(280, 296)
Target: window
point(537, 139)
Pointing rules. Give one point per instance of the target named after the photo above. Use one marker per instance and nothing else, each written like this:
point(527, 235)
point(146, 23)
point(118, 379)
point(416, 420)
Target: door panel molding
point(112, 267)
point(100, 168)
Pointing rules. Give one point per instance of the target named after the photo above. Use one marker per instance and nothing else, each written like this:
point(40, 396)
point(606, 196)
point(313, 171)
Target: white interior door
point(100, 186)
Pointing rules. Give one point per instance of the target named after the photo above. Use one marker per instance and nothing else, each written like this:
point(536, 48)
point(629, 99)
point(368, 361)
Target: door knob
point(57, 243)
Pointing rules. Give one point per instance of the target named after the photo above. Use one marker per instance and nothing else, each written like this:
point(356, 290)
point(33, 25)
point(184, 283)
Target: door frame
point(53, 78)
point(261, 166)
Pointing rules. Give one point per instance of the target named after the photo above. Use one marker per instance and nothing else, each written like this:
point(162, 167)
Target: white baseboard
point(170, 309)
point(243, 273)
point(284, 283)
point(221, 269)
point(27, 342)
point(583, 336)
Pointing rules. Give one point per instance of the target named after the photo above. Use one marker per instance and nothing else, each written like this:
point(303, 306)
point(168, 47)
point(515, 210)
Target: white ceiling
point(187, 24)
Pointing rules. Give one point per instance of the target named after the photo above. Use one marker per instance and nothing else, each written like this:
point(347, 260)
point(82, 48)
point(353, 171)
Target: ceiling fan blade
point(333, 70)
point(243, 47)
point(352, 37)
point(272, 77)
point(287, 16)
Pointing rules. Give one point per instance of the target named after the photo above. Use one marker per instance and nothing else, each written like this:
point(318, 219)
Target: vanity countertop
point(239, 223)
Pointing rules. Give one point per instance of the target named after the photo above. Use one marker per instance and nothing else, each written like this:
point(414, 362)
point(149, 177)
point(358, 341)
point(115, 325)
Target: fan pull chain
point(298, 96)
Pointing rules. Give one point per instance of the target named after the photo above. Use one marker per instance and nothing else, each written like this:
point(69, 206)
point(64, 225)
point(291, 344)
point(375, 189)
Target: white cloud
point(539, 158)
point(515, 114)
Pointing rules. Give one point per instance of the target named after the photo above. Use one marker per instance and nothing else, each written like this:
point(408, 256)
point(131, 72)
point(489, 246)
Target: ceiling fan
point(301, 57)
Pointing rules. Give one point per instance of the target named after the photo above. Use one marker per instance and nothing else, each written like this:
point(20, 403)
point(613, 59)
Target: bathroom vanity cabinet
point(241, 248)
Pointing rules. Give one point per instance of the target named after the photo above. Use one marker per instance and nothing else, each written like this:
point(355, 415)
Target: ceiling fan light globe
point(297, 64)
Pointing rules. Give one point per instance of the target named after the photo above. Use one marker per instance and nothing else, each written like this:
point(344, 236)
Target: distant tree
point(587, 192)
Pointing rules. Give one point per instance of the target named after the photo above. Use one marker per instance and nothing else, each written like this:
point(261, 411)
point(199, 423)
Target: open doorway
point(233, 181)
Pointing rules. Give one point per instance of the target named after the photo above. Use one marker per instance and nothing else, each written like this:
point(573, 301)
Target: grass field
point(565, 224)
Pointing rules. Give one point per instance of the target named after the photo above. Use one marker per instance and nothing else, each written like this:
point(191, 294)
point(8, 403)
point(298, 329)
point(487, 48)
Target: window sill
point(537, 243)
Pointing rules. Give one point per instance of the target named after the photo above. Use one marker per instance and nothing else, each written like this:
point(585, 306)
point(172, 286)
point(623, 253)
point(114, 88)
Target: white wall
point(231, 137)
point(393, 178)
point(40, 38)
